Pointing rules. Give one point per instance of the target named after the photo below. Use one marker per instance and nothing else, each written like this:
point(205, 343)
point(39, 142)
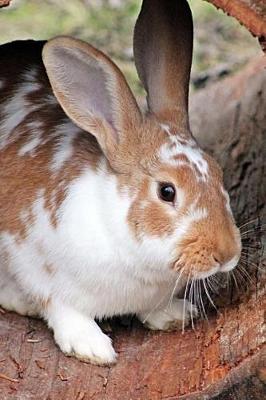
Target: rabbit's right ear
point(92, 91)
point(163, 40)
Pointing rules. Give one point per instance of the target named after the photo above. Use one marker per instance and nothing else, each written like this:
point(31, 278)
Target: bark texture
point(221, 359)
point(251, 13)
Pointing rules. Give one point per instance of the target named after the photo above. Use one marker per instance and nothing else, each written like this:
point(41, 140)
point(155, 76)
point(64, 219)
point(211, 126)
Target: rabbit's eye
point(166, 192)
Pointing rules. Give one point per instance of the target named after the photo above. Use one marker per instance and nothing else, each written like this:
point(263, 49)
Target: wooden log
point(221, 359)
point(250, 13)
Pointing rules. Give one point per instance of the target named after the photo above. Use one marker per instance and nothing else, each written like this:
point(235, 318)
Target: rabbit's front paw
point(80, 336)
point(173, 316)
point(82, 343)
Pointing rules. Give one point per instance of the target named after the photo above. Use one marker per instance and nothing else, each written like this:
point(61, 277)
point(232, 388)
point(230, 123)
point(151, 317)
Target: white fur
point(30, 146)
point(194, 155)
point(193, 214)
point(35, 133)
point(226, 267)
point(12, 298)
point(175, 135)
point(231, 264)
point(173, 315)
point(89, 265)
point(206, 274)
point(16, 109)
point(79, 335)
point(165, 128)
point(50, 100)
point(99, 269)
point(227, 200)
point(64, 136)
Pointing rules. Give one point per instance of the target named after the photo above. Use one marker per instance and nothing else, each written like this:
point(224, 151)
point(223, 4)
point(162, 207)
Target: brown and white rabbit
point(105, 211)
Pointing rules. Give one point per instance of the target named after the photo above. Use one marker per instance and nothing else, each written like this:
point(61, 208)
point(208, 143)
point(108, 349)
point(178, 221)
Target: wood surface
point(223, 358)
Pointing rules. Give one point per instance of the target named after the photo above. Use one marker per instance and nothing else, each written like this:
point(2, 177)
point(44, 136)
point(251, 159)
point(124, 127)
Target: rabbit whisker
point(255, 229)
point(235, 280)
point(212, 285)
point(248, 262)
point(184, 304)
point(163, 298)
point(208, 294)
point(202, 303)
point(246, 274)
point(174, 289)
point(258, 218)
point(245, 278)
point(190, 297)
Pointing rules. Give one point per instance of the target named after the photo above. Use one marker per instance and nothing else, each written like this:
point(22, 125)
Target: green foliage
point(218, 38)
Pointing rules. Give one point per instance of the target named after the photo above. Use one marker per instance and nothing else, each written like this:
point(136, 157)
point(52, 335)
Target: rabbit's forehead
point(181, 152)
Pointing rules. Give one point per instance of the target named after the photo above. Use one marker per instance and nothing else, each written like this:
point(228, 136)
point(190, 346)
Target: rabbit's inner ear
point(80, 85)
point(84, 83)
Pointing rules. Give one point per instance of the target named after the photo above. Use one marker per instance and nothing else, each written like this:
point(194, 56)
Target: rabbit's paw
point(13, 299)
point(80, 336)
point(173, 316)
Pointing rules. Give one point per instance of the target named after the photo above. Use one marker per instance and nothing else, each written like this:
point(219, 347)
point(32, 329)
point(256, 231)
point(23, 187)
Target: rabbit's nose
point(216, 258)
point(226, 260)
point(229, 265)
point(226, 249)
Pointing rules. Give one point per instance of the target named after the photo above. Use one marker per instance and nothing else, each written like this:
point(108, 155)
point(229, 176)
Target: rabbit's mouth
point(208, 248)
point(202, 264)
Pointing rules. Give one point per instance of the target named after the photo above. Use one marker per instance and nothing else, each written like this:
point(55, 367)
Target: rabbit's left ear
point(163, 41)
point(92, 91)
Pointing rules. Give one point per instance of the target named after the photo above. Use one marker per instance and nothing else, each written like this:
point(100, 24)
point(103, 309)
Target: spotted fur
point(83, 231)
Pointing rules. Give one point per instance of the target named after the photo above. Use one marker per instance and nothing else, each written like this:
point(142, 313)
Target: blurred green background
point(221, 45)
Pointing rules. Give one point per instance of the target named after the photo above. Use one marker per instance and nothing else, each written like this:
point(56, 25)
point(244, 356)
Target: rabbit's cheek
point(151, 219)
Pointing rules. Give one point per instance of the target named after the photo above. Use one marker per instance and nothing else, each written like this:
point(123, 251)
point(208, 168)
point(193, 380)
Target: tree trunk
point(221, 359)
point(251, 13)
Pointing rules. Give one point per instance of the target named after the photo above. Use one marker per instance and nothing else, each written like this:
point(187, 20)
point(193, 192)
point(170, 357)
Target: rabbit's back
point(41, 150)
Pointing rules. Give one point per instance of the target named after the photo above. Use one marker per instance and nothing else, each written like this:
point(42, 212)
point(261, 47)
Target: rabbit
point(105, 210)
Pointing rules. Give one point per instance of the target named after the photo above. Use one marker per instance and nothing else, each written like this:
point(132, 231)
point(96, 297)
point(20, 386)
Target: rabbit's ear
point(163, 41)
point(92, 91)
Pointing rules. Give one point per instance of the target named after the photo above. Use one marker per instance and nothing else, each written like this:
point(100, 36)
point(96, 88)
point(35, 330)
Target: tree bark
point(251, 13)
point(221, 359)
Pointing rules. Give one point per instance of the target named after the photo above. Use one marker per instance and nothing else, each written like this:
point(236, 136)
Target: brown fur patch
point(135, 163)
point(181, 157)
point(207, 241)
point(156, 221)
point(22, 178)
point(147, 216)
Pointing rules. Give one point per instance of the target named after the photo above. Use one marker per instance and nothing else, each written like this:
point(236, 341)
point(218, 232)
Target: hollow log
point(223, 358)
